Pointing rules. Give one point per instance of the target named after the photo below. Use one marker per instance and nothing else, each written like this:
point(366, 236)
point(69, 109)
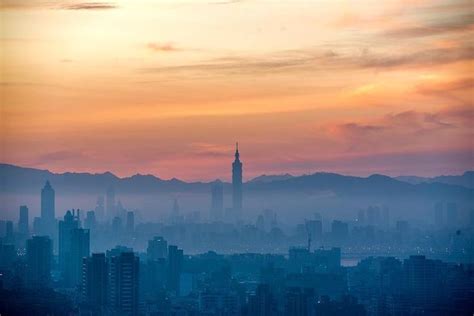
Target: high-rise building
point(110, 202)
point(314, 229)
point(263, 302)
point(117, 225)
point(130, 222)
point(422, 279)
point(23, 222)
point(299, 301)
point(99, 208)
point(39, 254)
point(175, 265)
point(175, 210)
point(47, 202)
point(66, 226)
point(217, 201)
point(237, 183)
point(123, 283)
point(157, 248)
point(9, 231)
point(80, 248)
point(339, 231)
point(94, 282)
point(48, 209)
point(91, 221)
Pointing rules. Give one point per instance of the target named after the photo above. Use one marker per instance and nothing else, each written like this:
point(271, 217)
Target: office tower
point(299, 301)
point(23, 220)
point(339, 231)
point(90, 222)
point(110, 203)
point(9, 231)
point(262, 303)
point(237, 184)
point(175, 210)
point(157, 248)
point(80, 248)
point(120, 211)
point(328, 260)
point(217, 201)
point(94, 282)
point(117, 226)
point(156, 277)
point(422, 279)
point(175, 264)
point(123, 283)
point(7, 256)
point(130, 222)
point(68, 224)
point(47, 209)
point(438, 215)
point(314, 228)
point(39, 254)
point(99, 208)
point(451, 214)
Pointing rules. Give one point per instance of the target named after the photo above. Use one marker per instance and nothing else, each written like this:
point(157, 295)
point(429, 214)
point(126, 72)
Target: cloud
point(445, 86)
point(312, 60)
point(457, 23)
point(64, 5)
point(404, 123)
point(57, 156)
point(357, 129)
point(210, 150)
point(425, 57)
point(162, 47)
point(89, 6)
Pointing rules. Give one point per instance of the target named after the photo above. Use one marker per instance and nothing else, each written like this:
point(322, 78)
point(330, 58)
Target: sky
point(167, 87)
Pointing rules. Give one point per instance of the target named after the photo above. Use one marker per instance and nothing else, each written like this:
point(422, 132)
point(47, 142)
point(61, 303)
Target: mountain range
point(16, 179)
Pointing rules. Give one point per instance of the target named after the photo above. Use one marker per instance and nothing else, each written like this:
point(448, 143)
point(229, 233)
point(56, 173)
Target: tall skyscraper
point(123, 283)
point(94, 282)
point(39, 254)
point(175, 264)
point(47, 209)
point(80, 248)
point(157, 248)
point(237, 183)
point(110, 203)
point(23, 222)
point(99, 208)
point(130, 222)
point(66, 226)
point(217, 201)
point(90, 221)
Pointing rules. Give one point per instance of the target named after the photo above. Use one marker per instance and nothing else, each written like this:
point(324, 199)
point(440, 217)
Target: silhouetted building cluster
point(108, 261)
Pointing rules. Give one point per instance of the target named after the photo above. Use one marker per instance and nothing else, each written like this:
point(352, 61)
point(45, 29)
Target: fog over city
point(236, 158)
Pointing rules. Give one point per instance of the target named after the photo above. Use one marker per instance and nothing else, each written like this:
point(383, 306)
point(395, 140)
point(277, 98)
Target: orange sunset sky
point(167, 87)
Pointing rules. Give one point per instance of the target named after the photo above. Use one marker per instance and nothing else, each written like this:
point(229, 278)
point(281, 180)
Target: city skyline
point(237, 157)
point(171, 102)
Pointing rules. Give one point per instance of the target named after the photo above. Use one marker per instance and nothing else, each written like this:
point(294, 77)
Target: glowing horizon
point(167, 87)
